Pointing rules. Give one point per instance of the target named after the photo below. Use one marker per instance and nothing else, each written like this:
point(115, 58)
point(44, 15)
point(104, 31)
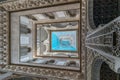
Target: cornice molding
point(28, 4)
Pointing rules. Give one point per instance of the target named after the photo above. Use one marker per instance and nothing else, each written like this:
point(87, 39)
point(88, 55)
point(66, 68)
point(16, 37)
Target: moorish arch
point(102, 71)
point(96, 66)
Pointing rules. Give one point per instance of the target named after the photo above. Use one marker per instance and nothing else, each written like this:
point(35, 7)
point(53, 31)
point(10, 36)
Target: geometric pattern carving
point(94, 61)
point(28, 4)
point(3, 37)
point(17, 5)
point(83, 34)
point(43, 72)
point(106, 38)
point(95, 19)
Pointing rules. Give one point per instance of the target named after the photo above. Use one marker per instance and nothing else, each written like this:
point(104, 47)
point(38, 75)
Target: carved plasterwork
point(4, 38)
point(83, 33)
point(28, 4)
point(93, 67)
point(110, 31)
point(106, 38)
point(52, 73)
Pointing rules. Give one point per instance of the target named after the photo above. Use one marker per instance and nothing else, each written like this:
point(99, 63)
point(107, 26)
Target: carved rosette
point(4, 39)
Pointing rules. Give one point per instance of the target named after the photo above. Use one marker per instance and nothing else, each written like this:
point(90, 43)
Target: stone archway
point(96, 66)
point(102, 71)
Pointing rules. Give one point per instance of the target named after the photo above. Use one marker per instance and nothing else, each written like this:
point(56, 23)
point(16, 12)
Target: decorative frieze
point(27, 4)
point(70, 75)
